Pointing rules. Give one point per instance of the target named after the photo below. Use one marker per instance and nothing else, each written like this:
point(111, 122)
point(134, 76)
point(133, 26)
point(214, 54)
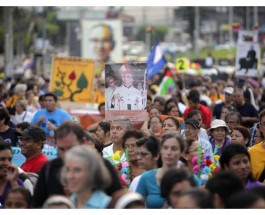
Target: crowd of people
point(202, 146)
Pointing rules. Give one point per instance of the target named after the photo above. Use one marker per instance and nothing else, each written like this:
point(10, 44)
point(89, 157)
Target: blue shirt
point(57, 117)
point(98, 200)
point(149, 189)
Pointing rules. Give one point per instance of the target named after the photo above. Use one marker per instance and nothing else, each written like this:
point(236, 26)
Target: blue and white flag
point(155, 61)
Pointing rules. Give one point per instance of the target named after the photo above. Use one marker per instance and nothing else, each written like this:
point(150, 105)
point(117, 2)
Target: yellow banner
point(182, 64)
point(72, 79)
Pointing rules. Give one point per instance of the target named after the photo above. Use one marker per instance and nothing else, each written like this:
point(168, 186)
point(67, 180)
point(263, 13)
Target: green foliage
point(161, 31)
point(217, 54)
point(28, 25)
point(141, 34)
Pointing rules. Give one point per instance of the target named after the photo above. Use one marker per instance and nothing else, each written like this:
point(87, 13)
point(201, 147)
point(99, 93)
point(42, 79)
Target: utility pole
point(231, 17)
point(247, 18)
point(44, 37)
point(8, 26)
point(148, 31)
point(196, 31)
point(256, 17)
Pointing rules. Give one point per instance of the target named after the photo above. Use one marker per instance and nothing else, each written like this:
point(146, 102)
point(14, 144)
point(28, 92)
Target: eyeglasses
point(142, 154)
point(25, 139)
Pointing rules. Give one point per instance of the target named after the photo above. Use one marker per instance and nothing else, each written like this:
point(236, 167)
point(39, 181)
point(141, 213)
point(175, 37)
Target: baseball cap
point(229, 90)
point(194, 122)
point(33, 132)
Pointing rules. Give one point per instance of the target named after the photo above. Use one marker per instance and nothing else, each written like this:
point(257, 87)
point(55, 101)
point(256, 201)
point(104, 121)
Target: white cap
point(217, 123)
point(229, 90)
point(128, 198)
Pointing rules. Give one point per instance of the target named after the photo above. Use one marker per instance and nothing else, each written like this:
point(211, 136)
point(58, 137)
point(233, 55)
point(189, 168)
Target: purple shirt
point(8, 187)
point(251, 184)
point(219, 151)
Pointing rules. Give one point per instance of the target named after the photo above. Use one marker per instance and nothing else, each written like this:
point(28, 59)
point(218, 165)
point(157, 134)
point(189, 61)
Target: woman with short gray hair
point(86, 176)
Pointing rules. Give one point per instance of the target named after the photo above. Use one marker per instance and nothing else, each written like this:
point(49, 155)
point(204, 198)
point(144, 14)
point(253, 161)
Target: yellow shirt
point(12, 101)
point(257, 158)
point(215, 98)
point(99, 97)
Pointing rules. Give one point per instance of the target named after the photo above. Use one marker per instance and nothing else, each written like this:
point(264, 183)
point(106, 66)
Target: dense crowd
point(202, 146)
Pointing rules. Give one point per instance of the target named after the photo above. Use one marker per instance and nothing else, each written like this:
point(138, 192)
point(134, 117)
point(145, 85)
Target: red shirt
point(34, 164)
point(206, 115)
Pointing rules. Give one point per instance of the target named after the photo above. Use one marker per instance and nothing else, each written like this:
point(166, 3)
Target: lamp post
point(8, 24)
point(149, 31)
point(196, 31)
point(42, 13)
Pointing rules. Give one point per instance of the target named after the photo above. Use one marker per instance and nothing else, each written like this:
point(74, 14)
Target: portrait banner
point(247, 60)
point(125, 92)
point(102, 41)
point(72, 79)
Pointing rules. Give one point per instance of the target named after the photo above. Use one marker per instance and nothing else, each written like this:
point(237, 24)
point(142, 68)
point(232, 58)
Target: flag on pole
point(155, 61)
point(166, 84)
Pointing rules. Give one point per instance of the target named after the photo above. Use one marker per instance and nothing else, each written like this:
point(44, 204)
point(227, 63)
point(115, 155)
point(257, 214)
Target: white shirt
point(109, 92)
point(181, 107)
point(25, 116)
point(135, 183)
point(108, 152)
point(128, 98)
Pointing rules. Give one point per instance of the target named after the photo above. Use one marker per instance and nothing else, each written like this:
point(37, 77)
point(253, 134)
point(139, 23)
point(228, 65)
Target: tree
point(159, 33)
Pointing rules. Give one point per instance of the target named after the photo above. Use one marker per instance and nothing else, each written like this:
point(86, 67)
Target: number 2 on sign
point(182, 64)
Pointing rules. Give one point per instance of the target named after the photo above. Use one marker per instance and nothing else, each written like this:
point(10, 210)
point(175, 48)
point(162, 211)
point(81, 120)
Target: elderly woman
point(86, 176)
point(21, 114)
point(218, 132)
point(172, 147)
point(19, 93)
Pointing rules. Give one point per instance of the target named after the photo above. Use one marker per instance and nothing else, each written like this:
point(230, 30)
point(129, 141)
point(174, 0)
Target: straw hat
point(218, 123)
